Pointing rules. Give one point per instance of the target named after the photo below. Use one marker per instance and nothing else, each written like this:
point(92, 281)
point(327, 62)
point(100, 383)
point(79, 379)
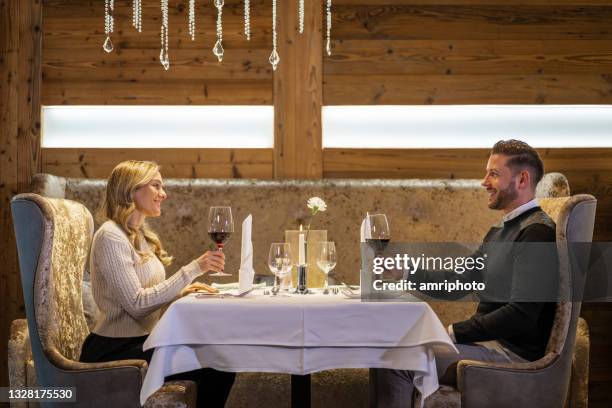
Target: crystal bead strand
point(109, 24)
point(137, 15)
point(274, 58)
point(301, 15)
point(218, 48)
point(329, 22)
point(192, 26)
point(163, 55)
point(247, 19)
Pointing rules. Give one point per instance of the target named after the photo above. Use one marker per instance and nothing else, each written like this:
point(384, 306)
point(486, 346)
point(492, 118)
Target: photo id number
point(39, 394)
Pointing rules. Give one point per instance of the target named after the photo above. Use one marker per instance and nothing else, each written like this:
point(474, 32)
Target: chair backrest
point(53, 240)
point(575, 219)
point(551, 185)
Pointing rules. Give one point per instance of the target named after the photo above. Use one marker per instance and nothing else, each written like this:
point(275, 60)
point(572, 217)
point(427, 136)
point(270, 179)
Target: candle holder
point(315, 276)
point(302, 280)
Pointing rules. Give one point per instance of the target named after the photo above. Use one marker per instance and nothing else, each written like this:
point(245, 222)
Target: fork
point(349, 287)
point(348, 292)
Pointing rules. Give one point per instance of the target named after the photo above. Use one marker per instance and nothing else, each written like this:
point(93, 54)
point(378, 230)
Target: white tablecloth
point(301, 334)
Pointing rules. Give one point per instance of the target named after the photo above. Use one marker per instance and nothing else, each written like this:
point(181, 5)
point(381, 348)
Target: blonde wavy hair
point(118, 205)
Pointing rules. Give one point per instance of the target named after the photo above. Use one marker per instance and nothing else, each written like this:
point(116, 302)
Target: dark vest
point(506, 311)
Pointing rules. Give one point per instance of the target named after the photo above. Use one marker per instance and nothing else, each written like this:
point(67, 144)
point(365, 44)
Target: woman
point(128, 277)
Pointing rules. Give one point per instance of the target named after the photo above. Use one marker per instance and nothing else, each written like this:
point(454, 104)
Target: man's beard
point(504, 197)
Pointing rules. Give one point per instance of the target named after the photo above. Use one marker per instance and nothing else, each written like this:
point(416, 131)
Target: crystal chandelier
point(164, 56)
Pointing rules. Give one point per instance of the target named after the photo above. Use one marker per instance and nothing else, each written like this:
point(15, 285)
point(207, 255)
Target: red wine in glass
point(378, 245)
point(220, 238)
point(220, 228)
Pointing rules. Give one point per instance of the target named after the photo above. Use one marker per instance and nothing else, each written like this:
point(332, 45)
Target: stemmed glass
point(220, 229)
point(379, 233)
point(279, 262)
point(326, 261)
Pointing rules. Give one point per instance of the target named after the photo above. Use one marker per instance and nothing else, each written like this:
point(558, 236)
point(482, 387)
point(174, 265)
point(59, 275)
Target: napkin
point(366, 233)
point(246, 273)
point(365, 229)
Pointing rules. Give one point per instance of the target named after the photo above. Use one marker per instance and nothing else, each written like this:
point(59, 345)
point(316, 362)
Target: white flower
point(316, 204)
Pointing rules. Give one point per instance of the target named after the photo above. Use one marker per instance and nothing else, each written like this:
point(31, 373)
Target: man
point(503, 331)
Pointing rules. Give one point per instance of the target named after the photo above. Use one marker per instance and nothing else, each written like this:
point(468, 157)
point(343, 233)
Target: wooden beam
point(29, 102)
point(20, 80)
point(398, 20)
point(467, 89)
point(9, 68)
point(155, 92)
point(469, 57)
point(298, 93)
point(176, 163)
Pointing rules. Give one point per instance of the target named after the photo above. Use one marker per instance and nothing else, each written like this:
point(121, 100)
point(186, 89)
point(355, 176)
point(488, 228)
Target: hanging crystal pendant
point(301, 15)
point(274, 57)
point(108, 45)
point(218, 48)
point(164, 56)
point(164, 59)
point(247, 19)
point(329, 22)
point(137, 15)
point(192, 26)
point(109, 24)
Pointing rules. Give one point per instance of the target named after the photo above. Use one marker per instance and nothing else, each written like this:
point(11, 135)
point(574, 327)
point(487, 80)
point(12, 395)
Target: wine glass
point(220, 228)
point(326, 261)
point(279, 262)
point(379, 234)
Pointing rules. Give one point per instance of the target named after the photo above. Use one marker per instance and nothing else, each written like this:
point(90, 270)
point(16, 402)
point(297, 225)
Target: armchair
point(53, 240)
point(545, 382)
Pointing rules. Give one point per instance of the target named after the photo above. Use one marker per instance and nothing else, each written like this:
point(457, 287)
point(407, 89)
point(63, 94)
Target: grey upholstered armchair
point(53, 241)
point(544, 383)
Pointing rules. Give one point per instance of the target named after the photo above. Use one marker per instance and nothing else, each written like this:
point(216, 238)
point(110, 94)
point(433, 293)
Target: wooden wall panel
point(77, 71)
point(470, 52)
point(20, 82)
point(410, 20)
point(466, 89)
point(470, 57)
point(176, 163)
point(171, 92)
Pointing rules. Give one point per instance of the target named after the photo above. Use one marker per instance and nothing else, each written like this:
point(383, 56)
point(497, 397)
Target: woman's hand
point(198, 287)
point(212, 261)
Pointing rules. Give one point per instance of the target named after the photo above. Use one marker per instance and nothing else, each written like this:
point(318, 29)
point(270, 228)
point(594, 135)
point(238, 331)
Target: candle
point(301, 248)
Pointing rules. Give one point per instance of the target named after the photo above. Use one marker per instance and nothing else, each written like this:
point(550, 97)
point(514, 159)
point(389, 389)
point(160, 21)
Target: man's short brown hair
point(521, 156)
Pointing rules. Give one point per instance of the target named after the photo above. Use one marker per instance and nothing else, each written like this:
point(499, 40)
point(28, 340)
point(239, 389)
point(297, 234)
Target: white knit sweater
point(128, 292)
